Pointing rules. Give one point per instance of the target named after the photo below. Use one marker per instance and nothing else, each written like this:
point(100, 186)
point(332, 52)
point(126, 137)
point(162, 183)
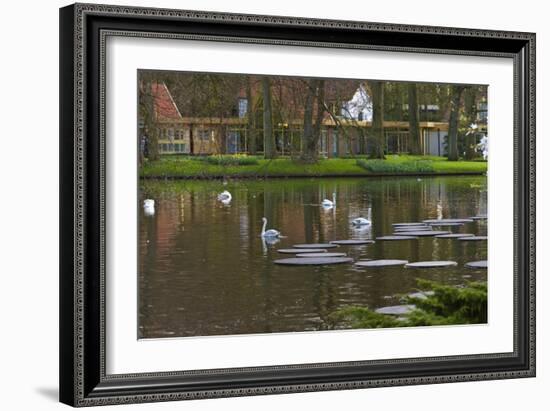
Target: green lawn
point(243, 166)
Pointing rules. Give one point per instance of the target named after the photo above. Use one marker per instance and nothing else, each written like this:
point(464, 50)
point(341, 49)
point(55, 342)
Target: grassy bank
point(247, 166)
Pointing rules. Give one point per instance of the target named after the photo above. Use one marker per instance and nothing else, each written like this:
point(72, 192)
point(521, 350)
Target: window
point(243, 107)
point(179, 134)
point(482, 112)
point(205, 135)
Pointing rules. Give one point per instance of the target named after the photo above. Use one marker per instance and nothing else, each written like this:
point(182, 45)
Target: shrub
point(231, 160)
point(408, 166)
point(448, 305)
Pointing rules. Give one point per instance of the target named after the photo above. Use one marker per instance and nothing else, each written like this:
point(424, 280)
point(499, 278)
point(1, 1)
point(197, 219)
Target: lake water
point(204, 270)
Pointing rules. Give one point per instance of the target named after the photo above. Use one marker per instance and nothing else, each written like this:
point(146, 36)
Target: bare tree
point(269, 137)
point(149, 82)
point(250, 117)
point(414, 127)
point(470, 111)
point(312, 130)
point(320, 113)
point(344, 91)
point(377, 89)
point(456, 94)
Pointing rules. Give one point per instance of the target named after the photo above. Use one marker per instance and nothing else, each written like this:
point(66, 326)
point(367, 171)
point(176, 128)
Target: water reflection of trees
point(203, 268)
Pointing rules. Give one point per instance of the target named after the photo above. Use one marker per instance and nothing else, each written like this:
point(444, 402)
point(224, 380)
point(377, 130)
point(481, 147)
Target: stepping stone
point(431, 264)
point(396, 237)
point(323, 255)
point(380, 263)
point(422, 233)
point(404, 225)
point(477, 264)
point(446, 224)
point(301, 250)
point(313, 261)
point(352, 242)
point(479, 217)
point(396, 309)
point(315, 246)
point(448, 220)
point(405, 232)
point(474, 238)
point(454, 235)
point(421, 294)
point(414, 228)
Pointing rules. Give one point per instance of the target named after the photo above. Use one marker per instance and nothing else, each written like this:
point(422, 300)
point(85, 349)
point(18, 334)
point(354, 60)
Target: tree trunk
point(452, 139)
point(222, 138)
point(319, 119)
point(250, 119)
point(308, 120)
point(377, 89)
point(148, 102)
point(191, 140)
point(269, 137)
point(154, 152)
point(470, 110)
point(310, 139)
point(414, 127)
point(141, 156)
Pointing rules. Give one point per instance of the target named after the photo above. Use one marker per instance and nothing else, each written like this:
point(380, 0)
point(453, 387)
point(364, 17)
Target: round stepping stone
point(479, 217)
point(396, 309)
point(446, 224)
point(422, 233)
point(474, 238)
point(301, 250)
point(412, 227)
point(448, 220)
point(380, 263)
point(396, 238)
point(315, 246)
point(431, 264)
point(322, 255)
point(408, 224)
point(408, 230)
point(454, 235)
point(477, 264)
point(421, 294)
point(352, 242)
point(313, 261)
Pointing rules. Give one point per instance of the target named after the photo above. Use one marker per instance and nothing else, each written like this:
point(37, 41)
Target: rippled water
point(204, 270)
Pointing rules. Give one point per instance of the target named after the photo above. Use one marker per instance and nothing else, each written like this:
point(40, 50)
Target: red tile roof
point(165, 107)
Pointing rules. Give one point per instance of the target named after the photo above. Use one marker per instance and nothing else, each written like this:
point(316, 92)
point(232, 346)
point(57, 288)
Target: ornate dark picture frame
point(83, 30)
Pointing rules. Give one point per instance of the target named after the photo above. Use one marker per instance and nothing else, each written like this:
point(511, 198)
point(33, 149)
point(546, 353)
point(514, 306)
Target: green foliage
point(178, 166)
point(231, 160)
point(362, 317)
point(447, 306)
point(384, 166)
point(450, 305)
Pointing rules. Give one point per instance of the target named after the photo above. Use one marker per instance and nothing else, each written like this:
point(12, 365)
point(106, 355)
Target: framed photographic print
point(262, 204)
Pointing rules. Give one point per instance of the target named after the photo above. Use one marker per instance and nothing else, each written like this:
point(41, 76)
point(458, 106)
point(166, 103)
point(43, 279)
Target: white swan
point(329, 204)
point(149, 206)
point(225, 197)
point(361, 221)
point(269, 233)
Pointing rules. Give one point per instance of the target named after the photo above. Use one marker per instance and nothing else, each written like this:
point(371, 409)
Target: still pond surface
point(204, 269)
